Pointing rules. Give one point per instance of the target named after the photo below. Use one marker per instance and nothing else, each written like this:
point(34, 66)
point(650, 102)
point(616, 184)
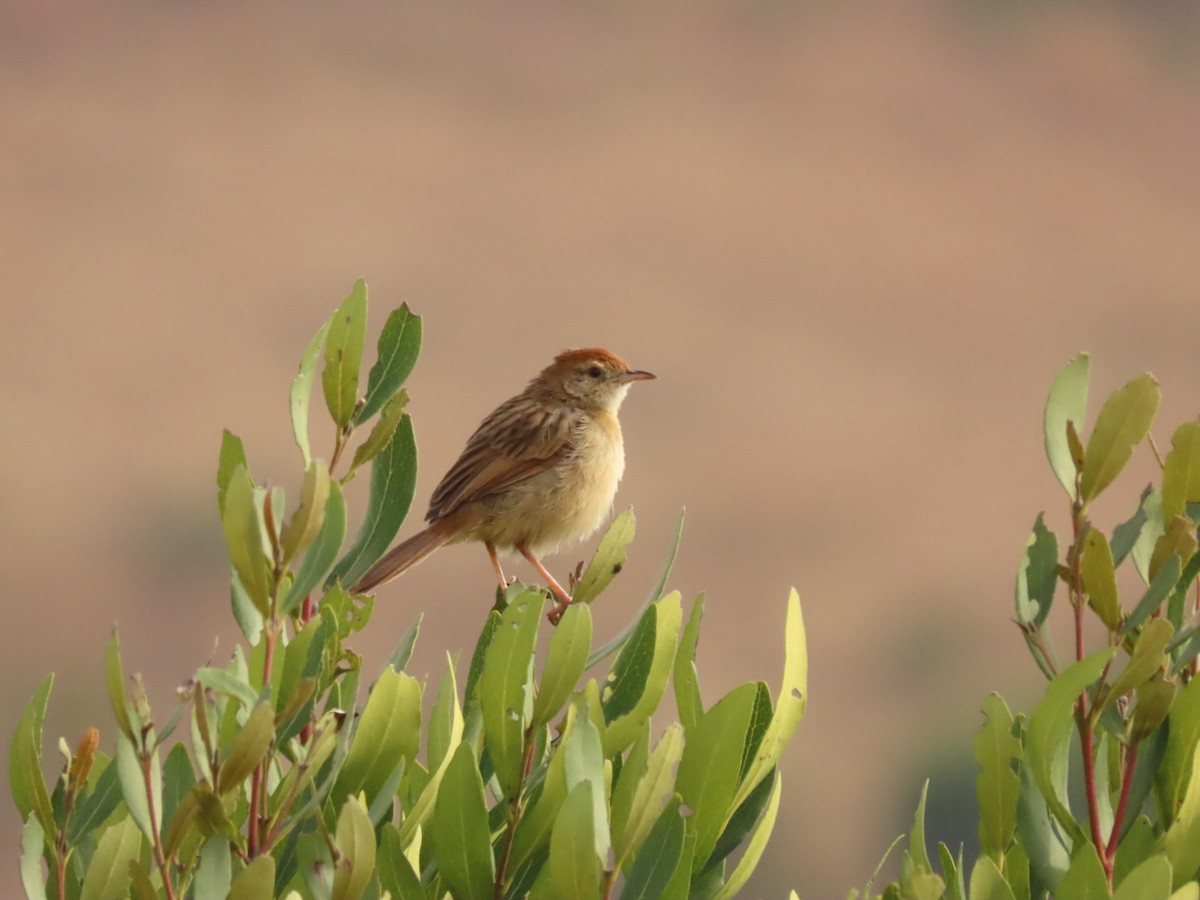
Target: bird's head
point(592, 377)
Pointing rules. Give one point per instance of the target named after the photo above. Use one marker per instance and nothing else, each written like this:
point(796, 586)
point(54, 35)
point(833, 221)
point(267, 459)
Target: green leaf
point(1149, 881)
point(321, 553)
point(1048, 737)
point(708, 771)
point(916, 835)
point(639, 805)
point(306, 522)
point(445, 720)
point(608, 560)
point(403, 650)
point(1155, 594)
point(396, 875)
point(617, 642)
point(178, 780)
point(685, 678)
point(997, 784)
point(487, 634)
point(388, 730)
point(232, 456)
point(25, 777)
point(343, 355)
point(1151, 531)
point(354, 842)
point(952, 871)
point(226, 682)
point(33, 843)
point(249, 748)
point(393, 478)
point(1126, 534)
point(114, 679)
point(754, 849)
point(987, 883)
point(1148, 657)
point(133, 785)
point(574, 867)
point(565, 661)
point(244, 537)
point(647, 671)
point(1066, 402)
point(1036, 575)
point(1183, 737)
point(657, 860)
point(789, 707)
point(1100, 580)
point(383, 432)
point(97, 806)
point(504, 687)
point(1182, 840)
point(397, 350)
point(1122, 424)
point(1178, 540)
point(295, 696)
point(214, 874)
point(1044, 841)
point(583, 760)
point(256, 881)
point(461, 838)
point(107, 875)
point(1181, 471)
point(1085, 879)
point(301, 393)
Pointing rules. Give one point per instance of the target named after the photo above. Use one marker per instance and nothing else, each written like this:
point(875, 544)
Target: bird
point(539, 473)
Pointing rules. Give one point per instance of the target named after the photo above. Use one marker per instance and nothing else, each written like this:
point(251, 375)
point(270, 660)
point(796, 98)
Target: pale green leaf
point(1066, 402)
point(244, 537)
point(652, 790)
point(232, 456)
point(1182, 740)
point(565, 661)
point(33, 843)
point(1122, 424)
point(1149, 881)
point(608, 559)
point(214, 873)
point(987, 883)
point(1085, 879)
point(789, 706)
point(249, 748)
point(1048, 737)
point(573, 865)
point(322, 553)
point(388, 730)
point(1148, 657)
point(25, 777)
point(256, 881)
point(1181, 471)
point(107, 876)
point(305, 523)
point(505, 686)
point(1099, 579)
point(343, 355)
point(685, 678)
point(383, 431)
point(997, 785)
point(459, 830)
point(1182, 840)
point(354, 841)
point(301, 393)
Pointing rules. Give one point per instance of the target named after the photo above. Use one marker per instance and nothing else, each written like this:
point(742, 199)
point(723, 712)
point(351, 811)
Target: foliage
point(530, 778)
point(1124, 708)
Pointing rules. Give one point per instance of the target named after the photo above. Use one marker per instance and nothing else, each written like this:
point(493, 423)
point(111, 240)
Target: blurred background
point(855, 241)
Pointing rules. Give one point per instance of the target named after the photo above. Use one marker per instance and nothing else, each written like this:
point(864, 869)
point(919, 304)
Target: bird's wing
point(517, 441)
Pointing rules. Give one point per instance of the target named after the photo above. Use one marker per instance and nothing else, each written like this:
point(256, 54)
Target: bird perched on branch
point(539, 473)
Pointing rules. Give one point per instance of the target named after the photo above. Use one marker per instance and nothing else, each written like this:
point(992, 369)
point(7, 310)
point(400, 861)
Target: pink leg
point(564, 599)
point(496, 565)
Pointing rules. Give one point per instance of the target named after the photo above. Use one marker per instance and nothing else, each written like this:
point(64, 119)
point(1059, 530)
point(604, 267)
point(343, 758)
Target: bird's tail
point(401, 558)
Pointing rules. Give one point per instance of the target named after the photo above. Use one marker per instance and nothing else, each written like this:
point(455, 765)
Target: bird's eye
point(595, 371)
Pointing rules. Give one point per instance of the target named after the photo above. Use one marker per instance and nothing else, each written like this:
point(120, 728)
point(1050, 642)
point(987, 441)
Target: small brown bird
point(540, 472)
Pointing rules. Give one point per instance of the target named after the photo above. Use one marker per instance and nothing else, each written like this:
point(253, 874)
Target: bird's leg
point(491, 550)
point(564, 599)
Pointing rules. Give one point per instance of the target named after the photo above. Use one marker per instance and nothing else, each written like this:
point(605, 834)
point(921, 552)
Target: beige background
point(855, 241)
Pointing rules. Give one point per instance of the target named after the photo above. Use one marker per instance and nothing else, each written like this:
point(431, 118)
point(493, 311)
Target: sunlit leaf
point(997, 785)
point(398, 347)
point(343, 355)
point(461, 836)
point(1066, 402)
point(301, 393)
point(1122, 424)
point(608, 560)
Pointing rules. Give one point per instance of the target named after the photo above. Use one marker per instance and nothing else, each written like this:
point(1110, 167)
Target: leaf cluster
point(288, 773)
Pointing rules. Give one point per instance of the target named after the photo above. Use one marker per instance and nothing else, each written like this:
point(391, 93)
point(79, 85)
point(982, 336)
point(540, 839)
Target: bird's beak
point(635, 375)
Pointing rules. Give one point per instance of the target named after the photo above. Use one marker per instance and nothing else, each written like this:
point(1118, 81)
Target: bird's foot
point(556, 613)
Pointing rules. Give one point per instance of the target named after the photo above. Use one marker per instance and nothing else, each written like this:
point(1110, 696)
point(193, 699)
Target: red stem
point(1119, 816)
point(1089, 781)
